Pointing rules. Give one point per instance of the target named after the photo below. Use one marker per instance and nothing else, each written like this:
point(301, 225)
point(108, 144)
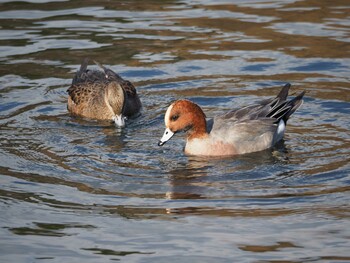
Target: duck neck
point(198, 128)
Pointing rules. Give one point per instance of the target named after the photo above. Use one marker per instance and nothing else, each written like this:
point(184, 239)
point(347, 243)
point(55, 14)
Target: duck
point(102, 95)
point(252, 128)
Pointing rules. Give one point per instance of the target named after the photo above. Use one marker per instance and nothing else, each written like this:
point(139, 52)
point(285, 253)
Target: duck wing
point(275, 108)
point(88, 83)
point(110, 75)
point(81, 93)
point(85, 75)
point(249, 135)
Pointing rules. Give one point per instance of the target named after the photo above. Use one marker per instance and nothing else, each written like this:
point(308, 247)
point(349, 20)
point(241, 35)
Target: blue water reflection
point(76, 190)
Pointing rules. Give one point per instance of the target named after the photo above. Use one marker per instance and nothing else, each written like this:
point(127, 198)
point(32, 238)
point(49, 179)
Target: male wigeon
point(102, 95)
point(249, 129)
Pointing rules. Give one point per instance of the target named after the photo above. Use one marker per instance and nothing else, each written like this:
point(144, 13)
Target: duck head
point(116, 102)
point(186, 116)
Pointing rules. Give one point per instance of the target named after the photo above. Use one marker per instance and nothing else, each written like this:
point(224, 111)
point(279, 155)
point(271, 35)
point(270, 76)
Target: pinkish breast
point(207, 148)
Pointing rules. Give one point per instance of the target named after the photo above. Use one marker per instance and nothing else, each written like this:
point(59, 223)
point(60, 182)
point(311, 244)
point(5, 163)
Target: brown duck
point(102, 95)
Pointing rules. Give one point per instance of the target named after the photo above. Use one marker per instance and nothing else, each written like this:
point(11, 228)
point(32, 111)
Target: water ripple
point(113, 194)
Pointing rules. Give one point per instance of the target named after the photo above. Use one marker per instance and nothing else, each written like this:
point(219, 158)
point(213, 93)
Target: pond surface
point(74, 190)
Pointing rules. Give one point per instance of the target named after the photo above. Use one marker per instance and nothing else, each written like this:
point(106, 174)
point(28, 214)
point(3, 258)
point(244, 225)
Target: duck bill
point(166, 137)
point(119, 120)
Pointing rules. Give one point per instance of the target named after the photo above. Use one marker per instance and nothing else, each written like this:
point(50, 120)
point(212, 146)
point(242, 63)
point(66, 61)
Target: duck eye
point(174, 117)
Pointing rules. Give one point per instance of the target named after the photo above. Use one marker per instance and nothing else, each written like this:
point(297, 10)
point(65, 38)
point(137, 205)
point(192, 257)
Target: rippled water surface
point(74, 190)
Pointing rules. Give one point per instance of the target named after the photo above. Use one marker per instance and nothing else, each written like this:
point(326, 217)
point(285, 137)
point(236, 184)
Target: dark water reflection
point(75, 190)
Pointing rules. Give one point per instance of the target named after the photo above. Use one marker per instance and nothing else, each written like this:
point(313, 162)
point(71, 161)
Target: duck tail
point(284, 92)
point(100, 65)
point(294, 104)
point(110, 74)
point(280, 99)
point(281, 108)
point(84, 65)
point(80, 74)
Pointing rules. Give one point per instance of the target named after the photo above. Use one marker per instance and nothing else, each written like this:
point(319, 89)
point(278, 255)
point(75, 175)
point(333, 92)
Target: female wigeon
point(102, 95)
point(249, 129)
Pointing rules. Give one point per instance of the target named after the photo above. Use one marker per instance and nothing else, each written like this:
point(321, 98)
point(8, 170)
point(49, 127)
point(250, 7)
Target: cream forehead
point(167, 115)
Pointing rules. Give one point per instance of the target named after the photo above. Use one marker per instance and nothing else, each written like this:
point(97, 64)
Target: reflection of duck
point(249, 129)
point(202, 177)
point(102, 95)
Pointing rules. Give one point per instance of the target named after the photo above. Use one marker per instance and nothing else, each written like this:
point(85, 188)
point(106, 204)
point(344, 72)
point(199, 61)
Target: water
point(74, 190)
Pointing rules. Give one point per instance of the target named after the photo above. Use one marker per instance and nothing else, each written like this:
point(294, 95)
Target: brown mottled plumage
point(102, 95)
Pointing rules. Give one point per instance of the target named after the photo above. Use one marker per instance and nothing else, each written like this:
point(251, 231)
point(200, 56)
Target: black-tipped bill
point(166, 137)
